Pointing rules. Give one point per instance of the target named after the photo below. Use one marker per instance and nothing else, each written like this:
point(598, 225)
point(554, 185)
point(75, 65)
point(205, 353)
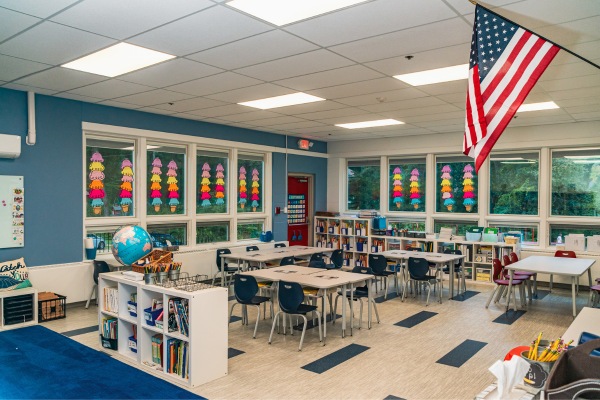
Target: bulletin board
point(12, 211)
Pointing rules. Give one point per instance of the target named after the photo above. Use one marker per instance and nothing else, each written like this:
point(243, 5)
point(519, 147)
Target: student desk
point(588, 320)
point(572, 267)
point(320, 279)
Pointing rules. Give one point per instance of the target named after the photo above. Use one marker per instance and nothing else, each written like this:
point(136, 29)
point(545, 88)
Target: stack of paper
point(133, 276)
point(445, 234)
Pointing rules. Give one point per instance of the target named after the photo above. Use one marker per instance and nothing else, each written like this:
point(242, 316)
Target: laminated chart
point(12, 211)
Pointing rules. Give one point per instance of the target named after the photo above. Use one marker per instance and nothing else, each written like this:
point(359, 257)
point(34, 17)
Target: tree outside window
point(514, 183)
point(576, 183)
point(363, 184)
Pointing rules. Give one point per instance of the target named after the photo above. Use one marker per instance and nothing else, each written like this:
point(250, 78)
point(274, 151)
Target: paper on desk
point(509, 373)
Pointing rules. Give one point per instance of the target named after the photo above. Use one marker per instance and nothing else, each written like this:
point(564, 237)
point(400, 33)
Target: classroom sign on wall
point(12, 211)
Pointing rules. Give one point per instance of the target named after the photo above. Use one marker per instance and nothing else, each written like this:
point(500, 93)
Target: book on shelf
point(178, 357)
point(109, 328)
point(157, 349)
point(111, 299)
point(178, 316)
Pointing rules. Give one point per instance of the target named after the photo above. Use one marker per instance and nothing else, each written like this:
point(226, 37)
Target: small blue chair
point(291, 297)
point(277, 245)
point(379, 264)
point(360, 293)
point(245, 288)
point(226, 270)
point(337, 260)
point(418, 272)
point(287, 261)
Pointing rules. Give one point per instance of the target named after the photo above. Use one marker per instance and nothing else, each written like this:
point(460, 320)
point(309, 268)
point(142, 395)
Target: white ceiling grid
point(348, 57)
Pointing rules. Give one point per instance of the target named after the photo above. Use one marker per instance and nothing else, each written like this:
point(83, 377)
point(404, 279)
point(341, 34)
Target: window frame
point(406, 186)
point(346, 185)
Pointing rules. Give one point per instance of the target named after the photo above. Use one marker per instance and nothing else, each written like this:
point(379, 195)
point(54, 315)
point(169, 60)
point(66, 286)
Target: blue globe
point(130, 243)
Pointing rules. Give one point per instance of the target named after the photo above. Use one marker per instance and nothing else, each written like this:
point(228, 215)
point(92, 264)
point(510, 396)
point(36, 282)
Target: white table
point(320, 279)
point(588, 320)
point(571, 267)
point(439, 259)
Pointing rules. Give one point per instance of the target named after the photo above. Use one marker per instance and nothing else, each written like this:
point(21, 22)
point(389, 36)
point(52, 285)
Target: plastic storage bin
point(132, 308)
point(108, 343)
point(150, 316)
point(132, 344)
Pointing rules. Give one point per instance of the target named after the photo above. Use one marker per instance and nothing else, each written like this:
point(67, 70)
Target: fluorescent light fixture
point(281, 12)
point(547, 105)
point(370, 124)
point(282, 101)
point(148, 147)
point(438, 75)
point(506, 158)
point(117, 60)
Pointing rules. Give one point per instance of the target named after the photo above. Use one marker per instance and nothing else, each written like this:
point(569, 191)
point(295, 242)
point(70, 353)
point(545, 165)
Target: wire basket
point(186, 282)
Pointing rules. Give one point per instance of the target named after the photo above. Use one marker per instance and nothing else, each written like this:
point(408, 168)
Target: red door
point(298, 206)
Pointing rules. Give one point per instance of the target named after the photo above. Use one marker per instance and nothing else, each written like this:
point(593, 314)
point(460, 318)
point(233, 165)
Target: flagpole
point(530, 31)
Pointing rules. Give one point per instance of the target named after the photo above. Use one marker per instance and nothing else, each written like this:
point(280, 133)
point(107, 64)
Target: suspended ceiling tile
point(588, 50)
point(215, 84)
point(292, 126)
point(77, 97)
point(449, 129)
point(572, 83)
point(111, 89)
point(468, 8)
point(261, 48)
point(400, 114)
point(255, 92)
point(403, 104)
point(13, 68)
point(579, 101)
point(329, 114)
point(571, 70)
point(454, 98)
point(61, 79)
point(585, 108)
point(531, 15)
point(579, 31)
point(248, 117)
point(456, 116)
point(170, 73)
point(359, 88)
point(574, 93)
point(219, 111)
point(445, 88)
point(155, 110)
point(310, 107)
point(52, 43)
point(26, 88)
point(153, 97)
point(589, 116)
point(301, 64)
point(189, 116)
point(209, 28)
point(340, 76)
point(284, 119)
point(324, 130)
point(195, 103)
point(41, 9)
point(119, 104)
point(120, 19)
point(14, 22)
point(432, 36)
point(369, 19)
point(387, 96)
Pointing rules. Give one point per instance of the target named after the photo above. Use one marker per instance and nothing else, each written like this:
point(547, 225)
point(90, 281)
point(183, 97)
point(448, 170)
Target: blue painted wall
point(53, 167)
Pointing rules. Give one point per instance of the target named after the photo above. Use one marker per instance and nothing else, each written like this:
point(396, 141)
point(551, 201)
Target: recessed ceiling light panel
point(370, 124)
point(547, 105)
point(282, 101)
point(437, 75)
point(117, 60)
point(282, 12)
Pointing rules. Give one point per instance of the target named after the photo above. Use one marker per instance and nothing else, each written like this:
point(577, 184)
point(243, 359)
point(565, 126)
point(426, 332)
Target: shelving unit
point(342, 233)
point(205, 344)
point(18, 308)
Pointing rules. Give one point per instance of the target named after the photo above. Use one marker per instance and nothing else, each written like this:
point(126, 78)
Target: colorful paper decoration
point(220, 185)
point(243, 190)
point(397, 191)
point(447, 187)
point(96, 186)
point(468, 188)
point(173, 189)
point(255, 199)
point(415, 195)
point(126, 185)
point(205, 189)
point(155, 187)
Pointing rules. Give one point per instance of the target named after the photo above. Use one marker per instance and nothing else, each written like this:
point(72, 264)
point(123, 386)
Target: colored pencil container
point(538, 370)
point(150, 316)
point(108, 343)
point(132, 308)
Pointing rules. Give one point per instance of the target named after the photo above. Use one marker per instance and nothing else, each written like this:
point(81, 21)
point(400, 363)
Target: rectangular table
point(571, 267)
point(439, 259)
point(320, 279)
point(588, 320)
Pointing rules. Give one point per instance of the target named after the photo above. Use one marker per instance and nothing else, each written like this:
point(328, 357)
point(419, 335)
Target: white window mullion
point(140, 181)
point(191, 191)
point(384, 183)
point(430, 194)
point(545, 196)
point(232, 183)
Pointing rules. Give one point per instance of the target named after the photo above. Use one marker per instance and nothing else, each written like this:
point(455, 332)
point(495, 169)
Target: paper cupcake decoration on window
point(220, 185)
point(173, 189)
point(96, 186)
point(205, 186)
point(468, 188)
point(243, 190)
point(397, 190)
point(255, 199)
point(447, 187)
point(126, 185)
point(155, 187)
point(415, 193)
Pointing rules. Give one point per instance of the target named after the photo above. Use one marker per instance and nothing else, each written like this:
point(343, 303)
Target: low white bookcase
point(18, 308)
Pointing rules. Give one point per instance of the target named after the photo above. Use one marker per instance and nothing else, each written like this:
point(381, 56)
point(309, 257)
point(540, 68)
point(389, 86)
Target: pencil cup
point(161, 277)
point(174, 274)
point(538, 370)
point(149, 278)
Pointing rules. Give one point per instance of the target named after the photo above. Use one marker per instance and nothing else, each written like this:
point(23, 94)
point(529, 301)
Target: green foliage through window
point(363, 185)
point(514, 184)
point(212, 232)
point(249, 229)
point(576, 183)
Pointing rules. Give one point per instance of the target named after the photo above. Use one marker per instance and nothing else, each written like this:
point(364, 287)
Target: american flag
point(505, 63)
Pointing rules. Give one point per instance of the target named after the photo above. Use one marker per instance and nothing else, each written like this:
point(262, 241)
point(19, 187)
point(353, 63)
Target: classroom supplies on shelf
point(111, 299)
point(157, 349)
point(178, 316)
point(178, 357)
point(150, 262)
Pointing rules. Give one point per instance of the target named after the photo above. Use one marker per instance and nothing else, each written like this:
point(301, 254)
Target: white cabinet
point(18, 308)
point(191, 356)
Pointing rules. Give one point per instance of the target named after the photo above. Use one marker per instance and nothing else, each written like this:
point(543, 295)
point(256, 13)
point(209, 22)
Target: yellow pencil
point(537, 342)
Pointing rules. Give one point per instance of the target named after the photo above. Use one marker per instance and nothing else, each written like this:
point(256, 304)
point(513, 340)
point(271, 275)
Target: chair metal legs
point(94, 290)
point(245, 315)
point(303, 327)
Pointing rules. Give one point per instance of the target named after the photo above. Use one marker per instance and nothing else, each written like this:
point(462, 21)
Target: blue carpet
point(415, 319)
point(38, 363)
point(509, 317)
point(80, 331)
point(462, 353)
point(231, 352)
point(465, 296)
point(541, 294)
point(391, 295)
point(235, 318)
point(336, 358)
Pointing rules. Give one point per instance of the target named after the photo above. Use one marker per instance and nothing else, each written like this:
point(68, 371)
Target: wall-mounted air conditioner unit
point(10, 146)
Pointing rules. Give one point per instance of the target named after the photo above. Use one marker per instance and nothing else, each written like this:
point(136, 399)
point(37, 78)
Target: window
point(249, 229)
point(166, 180)
point(212, 173)
point(102, 238)
point(418, 226)
point(458, 227)
point(407, 185)
point(530, 232)
point(250, 183)
point(163, 234)
point(576, 182)
point(363, 184)
point(212, 232)
point(456, 185)
point(514, 183)
point(110, 178)
point(563, 230)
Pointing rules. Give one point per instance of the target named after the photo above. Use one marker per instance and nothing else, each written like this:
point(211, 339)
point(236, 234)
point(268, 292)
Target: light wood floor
point(400, 361)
